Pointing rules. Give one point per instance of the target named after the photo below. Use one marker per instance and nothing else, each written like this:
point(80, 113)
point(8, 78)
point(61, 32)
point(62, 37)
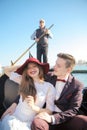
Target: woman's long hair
point(27, 86)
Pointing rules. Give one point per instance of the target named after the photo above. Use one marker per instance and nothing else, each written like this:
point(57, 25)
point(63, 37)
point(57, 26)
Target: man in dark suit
point(68, 99)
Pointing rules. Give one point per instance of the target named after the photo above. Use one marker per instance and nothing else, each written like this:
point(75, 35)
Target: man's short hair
point(70, 60)
point(42, 20)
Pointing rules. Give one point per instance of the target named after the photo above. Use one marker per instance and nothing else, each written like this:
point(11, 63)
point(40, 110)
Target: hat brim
point(45, 66)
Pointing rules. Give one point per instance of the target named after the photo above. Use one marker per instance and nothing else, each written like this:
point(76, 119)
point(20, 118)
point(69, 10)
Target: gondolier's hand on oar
point(37, 39)
point(47, 31)
point(10, 110)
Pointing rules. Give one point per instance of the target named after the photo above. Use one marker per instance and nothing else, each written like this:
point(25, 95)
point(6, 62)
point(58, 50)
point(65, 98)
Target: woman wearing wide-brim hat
point(34, 92)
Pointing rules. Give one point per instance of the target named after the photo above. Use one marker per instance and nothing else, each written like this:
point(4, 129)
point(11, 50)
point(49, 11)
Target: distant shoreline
point(79, 71)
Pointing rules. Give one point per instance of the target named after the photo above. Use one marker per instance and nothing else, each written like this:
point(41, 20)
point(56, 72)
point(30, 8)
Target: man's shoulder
point(49, 77)
point(77, 83)
point(37, 29)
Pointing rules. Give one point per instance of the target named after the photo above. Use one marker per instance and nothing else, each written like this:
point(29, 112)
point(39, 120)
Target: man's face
point(42, 24)
point(60, 69)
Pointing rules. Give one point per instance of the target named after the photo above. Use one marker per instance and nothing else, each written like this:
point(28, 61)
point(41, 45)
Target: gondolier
point(42, 43)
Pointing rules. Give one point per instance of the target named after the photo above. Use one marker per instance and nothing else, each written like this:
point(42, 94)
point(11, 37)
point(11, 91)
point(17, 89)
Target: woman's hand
point(8, 70)
point(30, 101)
point(10, 110)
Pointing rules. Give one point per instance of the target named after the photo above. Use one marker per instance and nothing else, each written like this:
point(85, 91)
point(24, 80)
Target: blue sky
point(19, 19)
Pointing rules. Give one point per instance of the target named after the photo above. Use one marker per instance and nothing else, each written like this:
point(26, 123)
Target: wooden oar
point(12, 63)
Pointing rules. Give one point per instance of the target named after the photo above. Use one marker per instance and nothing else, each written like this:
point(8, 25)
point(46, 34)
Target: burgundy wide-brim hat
point(45, 66)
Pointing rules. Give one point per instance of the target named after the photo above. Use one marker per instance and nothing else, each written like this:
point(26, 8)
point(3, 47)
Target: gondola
point(9, 92)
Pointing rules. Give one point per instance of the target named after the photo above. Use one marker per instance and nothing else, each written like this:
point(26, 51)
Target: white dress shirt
point(59, 88)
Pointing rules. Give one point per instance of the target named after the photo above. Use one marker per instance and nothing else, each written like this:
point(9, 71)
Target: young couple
point(61, 105)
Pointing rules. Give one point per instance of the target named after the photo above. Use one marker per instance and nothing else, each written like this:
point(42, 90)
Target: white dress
point(24, 115)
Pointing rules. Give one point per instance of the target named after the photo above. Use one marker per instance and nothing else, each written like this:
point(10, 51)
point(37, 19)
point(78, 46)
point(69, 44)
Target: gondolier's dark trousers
point(42, 51)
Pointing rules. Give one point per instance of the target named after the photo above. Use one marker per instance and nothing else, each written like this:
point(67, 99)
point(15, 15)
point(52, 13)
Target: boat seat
point(10, 92)
point(83, 107)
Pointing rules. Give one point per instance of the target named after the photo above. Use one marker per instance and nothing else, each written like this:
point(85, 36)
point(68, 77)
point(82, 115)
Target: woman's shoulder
point(48, 84)
point(50, 88)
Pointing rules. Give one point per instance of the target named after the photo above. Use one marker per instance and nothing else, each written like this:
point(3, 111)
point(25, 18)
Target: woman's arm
point(14, 76)
point(50, 97)
point(39, 110)
point(8, 70)
point(31, 102)
point(10, 110)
